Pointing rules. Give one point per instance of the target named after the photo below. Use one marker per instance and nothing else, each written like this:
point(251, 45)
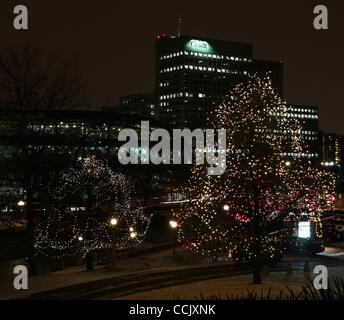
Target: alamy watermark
point(20, 281)
point(320, 282)
point(21, 19)
point(208, 146)
point(321, 18)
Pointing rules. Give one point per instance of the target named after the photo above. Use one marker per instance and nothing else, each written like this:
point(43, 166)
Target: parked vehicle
point(333, 225)
point(306, 246)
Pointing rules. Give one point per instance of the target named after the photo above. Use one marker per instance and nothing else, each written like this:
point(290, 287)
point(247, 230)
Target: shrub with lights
point(92, 208)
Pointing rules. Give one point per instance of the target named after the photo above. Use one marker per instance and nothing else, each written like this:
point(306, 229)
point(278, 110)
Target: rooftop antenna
point(179, 25)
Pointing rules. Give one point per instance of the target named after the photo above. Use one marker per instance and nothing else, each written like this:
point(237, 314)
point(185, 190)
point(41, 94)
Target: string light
point(84, 200)
point(247, 210)
point(113, 221)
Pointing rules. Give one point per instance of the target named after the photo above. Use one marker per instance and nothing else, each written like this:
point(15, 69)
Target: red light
point(159, 36)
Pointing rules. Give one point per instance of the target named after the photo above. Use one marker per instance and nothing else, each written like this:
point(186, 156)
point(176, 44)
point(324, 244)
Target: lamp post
point(226, 207)
point(133, 235)
point(332, 202)
point(21, 203)
point(113, 223)
point(174, 226)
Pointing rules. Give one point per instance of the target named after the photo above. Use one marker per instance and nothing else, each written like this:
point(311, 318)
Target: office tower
point(142, 105)
point(331, 150)
point(193, 74)
point(308, 119)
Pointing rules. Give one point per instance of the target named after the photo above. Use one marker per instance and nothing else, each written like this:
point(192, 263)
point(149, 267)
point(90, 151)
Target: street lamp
point(226, 207)
point(174, 226)
point(80, 238)
point(113, 223)
point(21, 203)
point(332, 202)
point(133, 235)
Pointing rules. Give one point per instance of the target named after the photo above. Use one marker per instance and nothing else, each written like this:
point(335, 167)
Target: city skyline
point(116, 51)
point(171, 151)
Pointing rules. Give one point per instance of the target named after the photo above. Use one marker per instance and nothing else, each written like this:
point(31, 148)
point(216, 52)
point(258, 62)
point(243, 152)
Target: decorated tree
point(33, 80)
point(92, 207)
point(251, 210)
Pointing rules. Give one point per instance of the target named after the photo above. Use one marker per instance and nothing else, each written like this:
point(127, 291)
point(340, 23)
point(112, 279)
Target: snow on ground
point(162, 261)
point(224, 288)
point(230, 287)
point(75, 275)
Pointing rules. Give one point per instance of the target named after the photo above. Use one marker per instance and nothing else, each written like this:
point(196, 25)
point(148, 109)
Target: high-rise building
point(193, 74)
point(331, 150)
point(138, 104)
point(308, 119)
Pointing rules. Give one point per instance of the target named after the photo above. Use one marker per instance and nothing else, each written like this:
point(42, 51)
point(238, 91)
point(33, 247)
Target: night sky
point(113, 42)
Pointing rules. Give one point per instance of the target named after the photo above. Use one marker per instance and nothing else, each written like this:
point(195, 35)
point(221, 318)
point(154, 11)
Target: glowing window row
point(204, 55)
point(303, 155)
point(302, 116)
point(180, 95)
point(295, 115)
point(303, 110)
point(306, 132)
point(199, 68)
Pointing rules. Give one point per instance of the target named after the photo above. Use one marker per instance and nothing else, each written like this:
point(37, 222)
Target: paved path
point(144, 281)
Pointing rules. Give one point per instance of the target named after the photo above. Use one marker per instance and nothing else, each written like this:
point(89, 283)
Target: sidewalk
point(233, 287)
point(155, 261)
point(142, 266)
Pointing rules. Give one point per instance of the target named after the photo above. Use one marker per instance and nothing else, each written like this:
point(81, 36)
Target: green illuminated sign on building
point(199, 46)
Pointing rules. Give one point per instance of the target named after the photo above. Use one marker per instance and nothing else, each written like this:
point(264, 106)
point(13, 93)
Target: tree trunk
point(257, 277)
point(89, 261)
point(30, 231)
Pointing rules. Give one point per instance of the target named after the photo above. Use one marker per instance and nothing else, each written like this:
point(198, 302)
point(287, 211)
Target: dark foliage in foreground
point(334, 292)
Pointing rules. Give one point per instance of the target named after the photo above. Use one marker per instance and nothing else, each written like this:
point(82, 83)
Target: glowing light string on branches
point(84, 199)
point(249, 207)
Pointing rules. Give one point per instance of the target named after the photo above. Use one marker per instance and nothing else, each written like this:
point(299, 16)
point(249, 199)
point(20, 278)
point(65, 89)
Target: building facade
point(193, 74)
point(331, 147)
point(308, 119)
point(142, 105)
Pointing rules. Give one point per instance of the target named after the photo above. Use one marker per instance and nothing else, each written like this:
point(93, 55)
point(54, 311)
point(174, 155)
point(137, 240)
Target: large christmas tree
point(251, 210)
point(91, 207)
